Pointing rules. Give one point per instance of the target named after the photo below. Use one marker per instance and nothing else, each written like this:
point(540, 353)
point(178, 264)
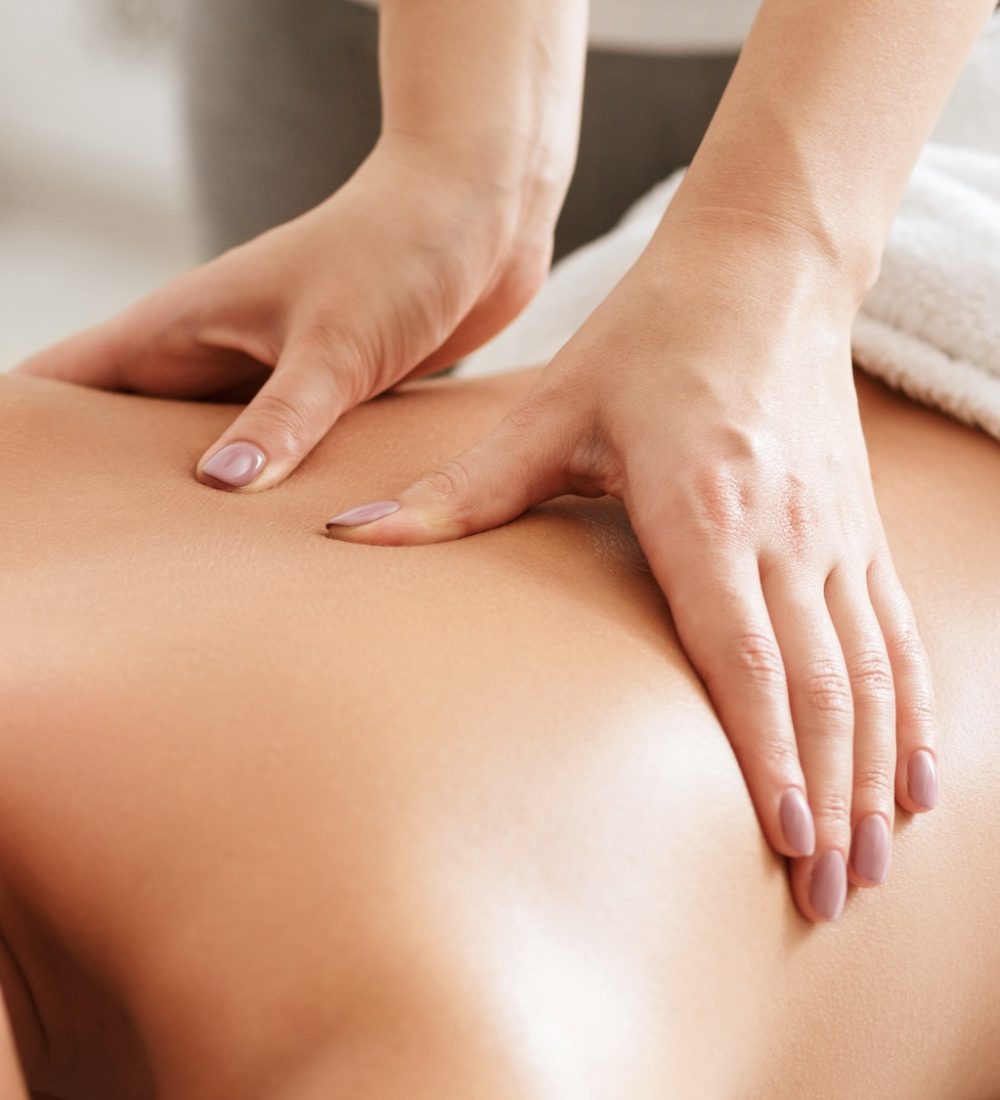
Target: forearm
point(825, 115)
point(496, 86)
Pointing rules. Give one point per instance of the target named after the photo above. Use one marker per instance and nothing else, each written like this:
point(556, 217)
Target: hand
point(713, 393)
point(415, 262)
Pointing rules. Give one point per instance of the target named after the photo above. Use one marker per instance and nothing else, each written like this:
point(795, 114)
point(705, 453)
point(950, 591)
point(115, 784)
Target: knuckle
point(877, 780)
point(919, 712)
point(524, 419)
point(284, 415)
point(833, 808)
point(773, 755)
point(799, 517)
point(908, 647)
point(756, 656)
point(826, 688)
point(450, 483)
point(722, 500)
point(871, 674)
point(799, 514)
point(330, 339)
point(338, 347)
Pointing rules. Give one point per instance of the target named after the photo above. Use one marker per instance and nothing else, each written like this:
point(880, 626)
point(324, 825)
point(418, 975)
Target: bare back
point(258, 784)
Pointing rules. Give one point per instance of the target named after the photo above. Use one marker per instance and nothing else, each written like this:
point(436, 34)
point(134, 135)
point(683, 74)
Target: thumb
point(292, 412)
point(520, 463)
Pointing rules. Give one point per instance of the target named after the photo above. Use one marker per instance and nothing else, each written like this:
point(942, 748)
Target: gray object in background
point(282, 104)
point(136, 23)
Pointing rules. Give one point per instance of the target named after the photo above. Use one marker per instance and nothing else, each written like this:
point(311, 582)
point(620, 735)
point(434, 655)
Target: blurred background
point(93, 181)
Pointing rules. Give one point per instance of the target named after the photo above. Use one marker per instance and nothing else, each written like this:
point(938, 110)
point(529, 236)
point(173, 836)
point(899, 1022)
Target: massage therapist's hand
point(414, 262)
point(712, 392)
point(439, 239)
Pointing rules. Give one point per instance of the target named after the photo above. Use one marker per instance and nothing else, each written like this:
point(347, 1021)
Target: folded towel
point(931, 324)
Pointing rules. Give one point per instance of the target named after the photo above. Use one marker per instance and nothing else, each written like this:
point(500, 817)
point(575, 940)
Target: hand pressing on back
point(415, 262)
point(712, 392)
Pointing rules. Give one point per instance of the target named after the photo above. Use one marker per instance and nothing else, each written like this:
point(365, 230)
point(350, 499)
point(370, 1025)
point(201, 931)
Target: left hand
point(712, 392)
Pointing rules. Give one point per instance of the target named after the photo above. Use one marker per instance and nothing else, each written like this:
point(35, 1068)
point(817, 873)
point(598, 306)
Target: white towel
point(931, 324)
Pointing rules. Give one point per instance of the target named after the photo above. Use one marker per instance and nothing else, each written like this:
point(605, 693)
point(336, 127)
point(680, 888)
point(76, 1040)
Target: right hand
point(416, 261)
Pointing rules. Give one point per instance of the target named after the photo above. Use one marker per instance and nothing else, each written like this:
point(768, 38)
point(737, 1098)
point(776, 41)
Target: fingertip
point(390, 523)
point(828, 886)
point(871, 848)
point(234, 466)
point(362, 515)
point(819, 886)
point(285, 420)
point(797, 825)
point(922, 781)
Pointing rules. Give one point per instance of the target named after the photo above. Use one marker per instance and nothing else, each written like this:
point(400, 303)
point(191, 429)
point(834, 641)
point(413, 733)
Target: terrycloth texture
point(931, 324)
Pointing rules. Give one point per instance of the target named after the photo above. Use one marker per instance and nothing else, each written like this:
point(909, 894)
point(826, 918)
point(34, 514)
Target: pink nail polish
point(364, 513)
point(828, 885)
point(797, 822)
point(236, 464)
point(922, 779)
point(870, 848)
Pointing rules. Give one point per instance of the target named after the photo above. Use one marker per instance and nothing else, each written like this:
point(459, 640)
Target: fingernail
point(922, 779)
point(364, 513)
point(236, 464)
point(828, 886)
point(870, 848)
point(797, 822)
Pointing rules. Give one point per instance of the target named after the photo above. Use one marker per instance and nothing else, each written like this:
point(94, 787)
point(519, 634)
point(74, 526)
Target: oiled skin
point(289, 818)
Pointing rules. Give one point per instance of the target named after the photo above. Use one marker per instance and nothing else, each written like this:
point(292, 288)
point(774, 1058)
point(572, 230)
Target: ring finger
point(870, 674)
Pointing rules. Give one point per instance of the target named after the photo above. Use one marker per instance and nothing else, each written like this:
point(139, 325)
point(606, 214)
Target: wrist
point(843, 243)
point(764, 246)
point(494, 88)
point(505, 198)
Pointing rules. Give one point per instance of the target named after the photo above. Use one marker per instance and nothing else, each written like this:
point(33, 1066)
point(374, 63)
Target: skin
point(290, 818)
point(711, 393)
point(727, 424)
point(454, 211)
point(11, 1079)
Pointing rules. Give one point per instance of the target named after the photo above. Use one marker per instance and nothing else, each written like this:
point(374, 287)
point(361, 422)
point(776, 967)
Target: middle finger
point(823, 714)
